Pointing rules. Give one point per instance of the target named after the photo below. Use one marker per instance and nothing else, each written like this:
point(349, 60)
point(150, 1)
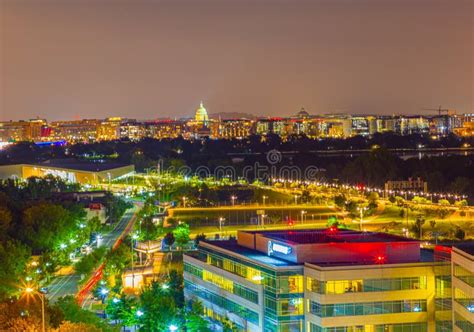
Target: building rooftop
point(232, 245)
point(426, 256)
point(324, 247)
point(307, 236)
point(80, 165)
point(467, 247)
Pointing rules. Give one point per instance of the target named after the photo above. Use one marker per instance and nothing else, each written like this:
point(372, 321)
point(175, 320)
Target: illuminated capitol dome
point(201, 115)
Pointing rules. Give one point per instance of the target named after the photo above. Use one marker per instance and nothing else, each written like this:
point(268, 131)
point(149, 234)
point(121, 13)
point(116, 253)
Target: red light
point(290, 222)
point(380, 259)
point(333, 229)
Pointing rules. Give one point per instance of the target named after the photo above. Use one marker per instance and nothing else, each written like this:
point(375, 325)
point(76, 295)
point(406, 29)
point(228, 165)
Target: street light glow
point(173, 327)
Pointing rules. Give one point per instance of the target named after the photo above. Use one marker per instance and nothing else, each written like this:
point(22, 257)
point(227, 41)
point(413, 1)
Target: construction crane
point(439, 109)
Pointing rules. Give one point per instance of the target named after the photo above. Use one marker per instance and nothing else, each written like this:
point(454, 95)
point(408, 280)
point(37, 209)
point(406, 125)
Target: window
point(369, 308)
point(366, 285)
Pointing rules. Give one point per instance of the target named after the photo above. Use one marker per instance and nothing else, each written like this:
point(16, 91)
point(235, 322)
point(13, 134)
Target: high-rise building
point(319, 281)
point(76, 130)
point(235, 128)
point(109, 129)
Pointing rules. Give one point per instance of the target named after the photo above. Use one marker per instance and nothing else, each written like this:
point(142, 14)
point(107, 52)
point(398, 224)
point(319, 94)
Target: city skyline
point(151, 60)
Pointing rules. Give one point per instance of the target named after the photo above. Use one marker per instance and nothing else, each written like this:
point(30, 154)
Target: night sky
point(69, 59)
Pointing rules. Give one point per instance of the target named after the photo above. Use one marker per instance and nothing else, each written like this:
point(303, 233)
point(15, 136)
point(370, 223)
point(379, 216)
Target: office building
point(319, 281)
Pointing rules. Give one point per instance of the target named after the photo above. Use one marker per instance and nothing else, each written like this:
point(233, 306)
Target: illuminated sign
point(280, 248)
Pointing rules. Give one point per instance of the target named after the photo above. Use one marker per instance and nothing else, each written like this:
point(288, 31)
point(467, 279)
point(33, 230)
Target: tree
point(76, 327)
point(121, 309)
point(444, 202)
point(459, 233)
point(169, 239)
point(14, 258)
point(461, 203)
point(417, 227)
point(340, 200)
point(89, 262)
point(195, 321)
point(181, 234)
point(75, 314)
point(117, 260)
point(176, 285)
point(5, 222)
point(158, 309)
point(45, 226)
point(199, 238)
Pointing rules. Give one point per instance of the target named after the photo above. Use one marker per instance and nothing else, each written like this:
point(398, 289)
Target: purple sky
point(68, 59)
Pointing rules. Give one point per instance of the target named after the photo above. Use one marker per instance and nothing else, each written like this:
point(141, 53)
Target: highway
point(68, 284)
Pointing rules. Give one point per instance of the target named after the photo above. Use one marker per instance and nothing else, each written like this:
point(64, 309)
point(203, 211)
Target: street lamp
point(30, 290)
point(303, 212)
point(221, 220)
point(264, 198)
point(233, 198)
point(134, 238)
point(296, 199)
point(103, 293)
point(361, 210)
point(184, 201)
point(173, 328)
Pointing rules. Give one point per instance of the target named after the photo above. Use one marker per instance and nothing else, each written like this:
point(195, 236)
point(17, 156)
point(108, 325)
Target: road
point(68, 284)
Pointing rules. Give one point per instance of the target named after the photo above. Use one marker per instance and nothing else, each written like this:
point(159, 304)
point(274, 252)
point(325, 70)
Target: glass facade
point(283, 291)
point(368, 308)
point(404, 327)
point(464, 300)
point(223, 302)
point(222, 282)
point(464, 275)
point(464, 324)
point(365, 285)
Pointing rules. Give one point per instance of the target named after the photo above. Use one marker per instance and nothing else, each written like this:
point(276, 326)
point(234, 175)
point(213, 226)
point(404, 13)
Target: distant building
point(69, 170)
point(84, 131)
point(302, 114)
point(201, 116)
point(131, 130)
point(165, 129)
point(17, 131)
point(411, 184)
point(109, 129)
point(360, 126)
point(238, 128)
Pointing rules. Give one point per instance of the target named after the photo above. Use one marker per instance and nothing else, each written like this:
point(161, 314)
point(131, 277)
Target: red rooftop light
point(380, 259)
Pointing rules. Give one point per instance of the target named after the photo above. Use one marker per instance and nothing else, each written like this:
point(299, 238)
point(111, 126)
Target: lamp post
point(184, 201)
point(296, 199)
point(264, 198)
point(361, 210)
point(134, 238)
point(221, 220)
point(233, 198)
point(30, 290)
point(303, 212)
